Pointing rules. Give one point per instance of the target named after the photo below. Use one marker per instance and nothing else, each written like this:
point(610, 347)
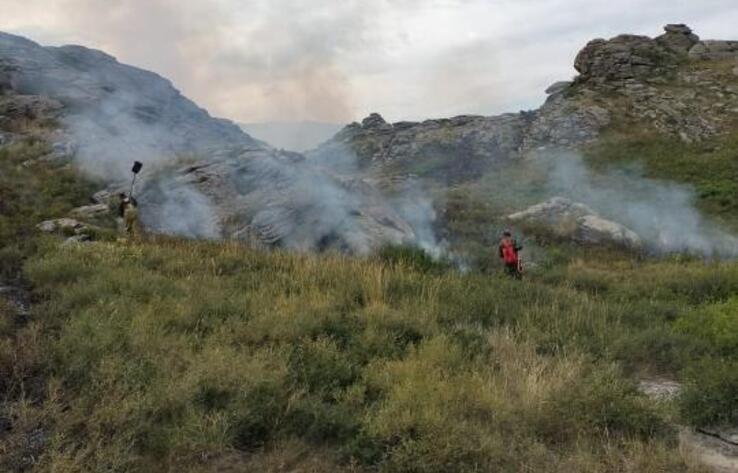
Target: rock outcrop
point(577, 222)
point(452, 150)
point(62, 225)
point(674, 84)
point(621, 58)
point(678, 38)
point(91, 211)
point(204, 177)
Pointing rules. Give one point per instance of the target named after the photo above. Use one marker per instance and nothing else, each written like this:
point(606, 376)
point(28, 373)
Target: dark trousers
point(512, 270)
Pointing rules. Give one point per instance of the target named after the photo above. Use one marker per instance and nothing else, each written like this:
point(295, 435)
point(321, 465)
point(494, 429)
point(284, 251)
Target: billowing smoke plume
point(415, 205)
point(205, 178)
point(295, 204)
point(178, 208)
point(662, 213)
point(407, 197)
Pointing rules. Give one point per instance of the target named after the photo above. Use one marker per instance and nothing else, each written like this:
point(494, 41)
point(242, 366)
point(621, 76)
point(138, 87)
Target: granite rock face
point(453, 149)
point(112, 109)
point(674, 84)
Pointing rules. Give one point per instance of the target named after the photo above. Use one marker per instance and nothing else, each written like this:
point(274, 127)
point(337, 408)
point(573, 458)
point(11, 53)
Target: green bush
point(710, 395)
point(660, 347)
point(715, 325)
point(603, 403)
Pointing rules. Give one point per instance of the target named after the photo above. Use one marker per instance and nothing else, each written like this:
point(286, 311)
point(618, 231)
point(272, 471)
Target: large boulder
point(622, 58)
point(62, 225)
point(90, 211)
point(575, 221)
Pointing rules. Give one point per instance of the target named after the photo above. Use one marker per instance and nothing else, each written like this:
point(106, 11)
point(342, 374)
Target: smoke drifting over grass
point(662, 213)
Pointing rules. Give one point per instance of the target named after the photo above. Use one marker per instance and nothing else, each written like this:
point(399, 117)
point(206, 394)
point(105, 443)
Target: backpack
point(509, 255)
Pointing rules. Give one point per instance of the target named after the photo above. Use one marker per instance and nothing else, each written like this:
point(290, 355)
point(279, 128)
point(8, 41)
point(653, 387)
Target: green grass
point(32, 191)
point(169, 355)
point(189, 355)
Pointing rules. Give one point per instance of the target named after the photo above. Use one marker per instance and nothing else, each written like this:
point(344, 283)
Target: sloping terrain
point(203, 177)
point(168, 354)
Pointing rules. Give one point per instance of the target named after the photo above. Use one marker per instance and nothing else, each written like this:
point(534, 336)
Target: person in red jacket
point(509, 254)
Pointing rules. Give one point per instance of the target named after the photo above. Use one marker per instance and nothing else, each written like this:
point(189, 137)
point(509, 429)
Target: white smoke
point(662, 213)
point(415, 205)
point(110, 139)
point(119, 114)
point(176, 208)
point(316, 210)
point(407, 195)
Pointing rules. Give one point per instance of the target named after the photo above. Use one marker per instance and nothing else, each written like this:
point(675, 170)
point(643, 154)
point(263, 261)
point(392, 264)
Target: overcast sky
point(338, 60)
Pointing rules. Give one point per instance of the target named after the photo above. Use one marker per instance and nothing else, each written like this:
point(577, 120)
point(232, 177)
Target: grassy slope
point(32, 191)
point(710, 166)
point(199, 356)
point(193, 356)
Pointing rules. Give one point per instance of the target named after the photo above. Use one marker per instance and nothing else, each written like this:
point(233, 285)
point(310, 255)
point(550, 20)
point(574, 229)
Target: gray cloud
point(331, 60)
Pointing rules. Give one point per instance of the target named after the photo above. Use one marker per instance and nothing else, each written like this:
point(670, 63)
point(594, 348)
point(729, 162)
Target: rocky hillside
point(674, 84)
point(108, 106)
point(203, 176)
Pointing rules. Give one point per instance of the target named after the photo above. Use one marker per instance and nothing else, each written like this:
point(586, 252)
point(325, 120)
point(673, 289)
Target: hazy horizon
point(299, 136)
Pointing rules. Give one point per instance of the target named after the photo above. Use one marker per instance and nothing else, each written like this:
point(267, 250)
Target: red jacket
point(508, 250)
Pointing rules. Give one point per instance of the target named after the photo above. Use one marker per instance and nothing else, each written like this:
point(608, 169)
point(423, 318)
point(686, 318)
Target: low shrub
point(413, 257)
point(710, 395)
point(715, 325)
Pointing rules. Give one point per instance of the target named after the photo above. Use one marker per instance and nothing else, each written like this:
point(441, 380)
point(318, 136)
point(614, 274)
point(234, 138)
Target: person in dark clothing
point(128, 211)
point(509, 250)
